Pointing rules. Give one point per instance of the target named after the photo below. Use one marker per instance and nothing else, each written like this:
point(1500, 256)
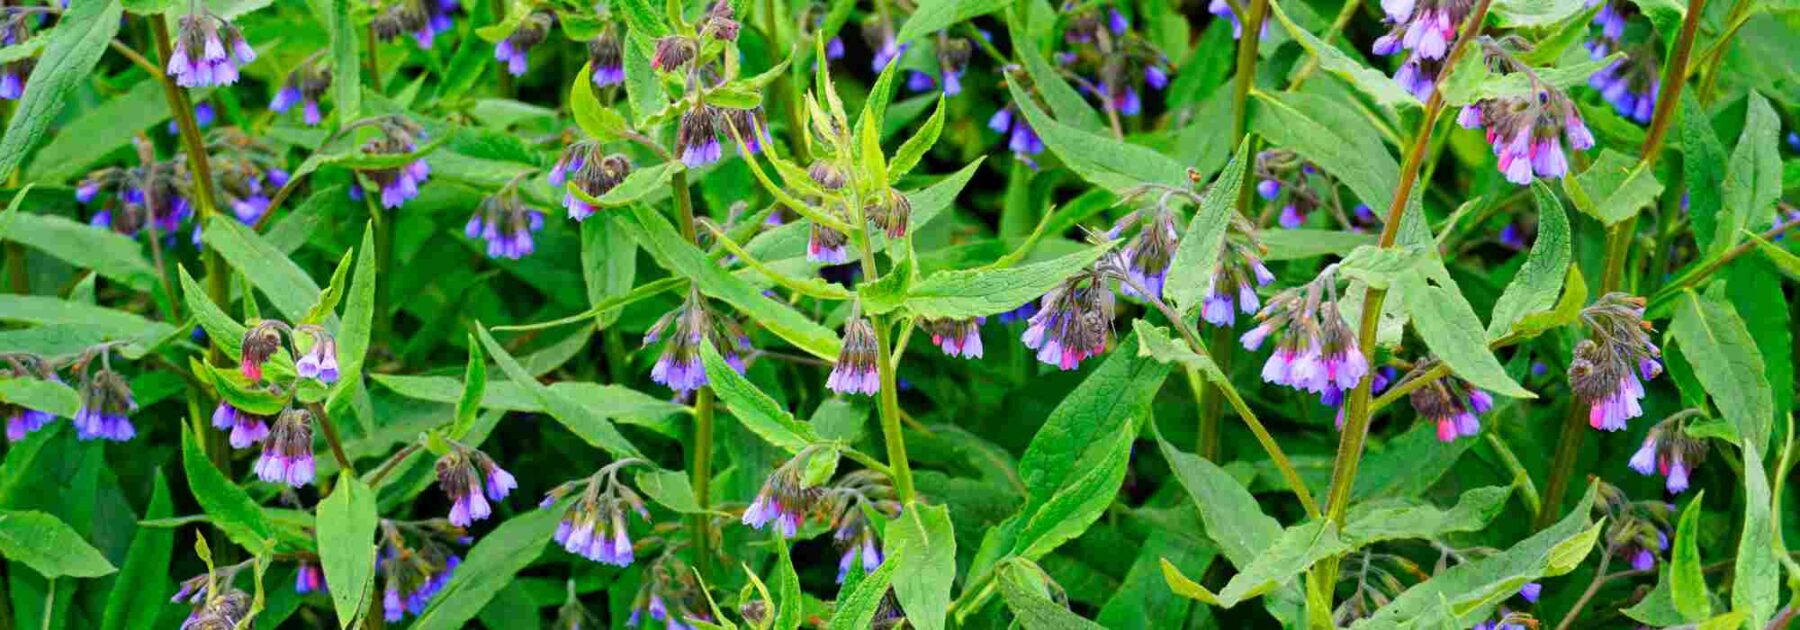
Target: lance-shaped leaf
point(76, 44)
point(1292, 553)
point(1197, 255)
point(285, 283)
point(759, 413)
point(113, 255)
point(1112, 164)
point(1029, 598)
point(490, 566)
point(981, 292)
point(230, 508)
point(1535, 287)
point(1687, 584)
point(922, 545)
point(1726, 361)
point(346, 536)
point(49, 546)
point(595, 429)
point(1405, 518)
point(1753, 179)
point(857, 609)
point(1375, 83)
point(1449, 326)
point(48, 396)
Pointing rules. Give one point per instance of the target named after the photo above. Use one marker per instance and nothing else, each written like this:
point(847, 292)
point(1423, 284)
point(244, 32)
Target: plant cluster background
point(846, 314)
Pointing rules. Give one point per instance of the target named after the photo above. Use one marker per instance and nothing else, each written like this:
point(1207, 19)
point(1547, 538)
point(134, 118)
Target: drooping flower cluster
point(153, 195)
point(469, 478)
point(309, 578)
point(22, 421)
point(1528, 132)
point(670, 594)
point(1609, 369)
point(786, 499)
point(246, 174)
point(1153, 235)
point(1425, 30)
point(825, 244)
point(1631, 84)
point(1020, 138)
point(207, 51)
point(848, 503)
point(1639, 530)
point(106, 405)
point(594, 526)
point(14, 30)
point(1074, 320)
point(414, 564)
point(246, 428)
point(855, 371)
point(303, 87)
point(424, 19)
point(513, 49)
point(1296, 186)
point(287, 455)
point(1117, 57)
point(879, 34)
point(1450, 403)
point(222, 611)
point(606, 59)
point(505, 223)
point(892, 212)
point(1670, 452)
point(583, 167)
point(1240, 271)
point(952, 61)
point(397, 184)
point(320, 359)
point(683, 331)
point(1316, 351)
point(957, 337)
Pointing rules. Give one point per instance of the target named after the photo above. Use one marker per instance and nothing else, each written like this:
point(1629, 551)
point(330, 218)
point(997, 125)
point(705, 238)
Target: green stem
point(702, 478)
point(218, 286)
point(1618, 248)
point(374, 59)
point(1246, 69)
point(1715, 55)
point(900, 467)
point(1527, 490)
point(1344, 16)
point(18, 280)
point(384, 260)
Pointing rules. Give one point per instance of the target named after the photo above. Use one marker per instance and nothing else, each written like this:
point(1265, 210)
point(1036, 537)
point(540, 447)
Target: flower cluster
point(1020, 138)
point(287, 454)
point(1316, 351)
point(153, 195)
point(879, 34)
point(1118, 59)
point(1631, 84)
point(1235, 280)
point(1670, 452)
point(1425, 30)
point(309, 578)
point(207, 51)
point(1149, 249)
point(583, 167)
point(1639, 530)
point(397, 184)
point(1528, 132)
point(414, 564)
point(855, 371)
point(22, 421)
point(606, 59)
point(824, 244)
point(220, 612)
point(424, 19)
point(682, 332)
point(848, 504)
point(670, 594)
point(505, 223)
point(14, 31)
point(957, 337)
point(952, 61)
point(246, 428)
point(786, 499)
point(246, 182)
point(1295, 186)
point(1074, 320)
point(469, 478)
point(106, 405)
point(1609, 369)
point(512, 49)
point(262, 341)
point(1452, 404)
point(892, 212)
point(303, 87)
point(594, 526)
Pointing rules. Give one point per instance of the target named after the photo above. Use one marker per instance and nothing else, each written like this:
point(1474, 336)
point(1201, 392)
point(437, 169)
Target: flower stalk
point(1618, 247)
point(700, 458)
point(218, 287)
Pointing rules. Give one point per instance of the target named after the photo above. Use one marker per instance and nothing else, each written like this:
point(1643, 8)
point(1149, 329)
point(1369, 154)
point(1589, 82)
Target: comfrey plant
point(1610, 368)
point(595, 525)
point(1315, 349)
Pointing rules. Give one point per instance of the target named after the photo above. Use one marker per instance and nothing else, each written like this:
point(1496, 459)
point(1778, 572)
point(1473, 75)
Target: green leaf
point(1154, 342)
point(285, 283)
point(474, 385)
point(1703, 167)
point(113, 255)
point(1687, 585)
point(1614, 189)
point(1375, 83)
point(1114, 165)
point(593, 428)
point(329, 298)
point(49, 546)
point(1301, 244)
point(922, 544)
point(1292, 553)
point(642, 87)
point(1565, 312)
point(789, 601)
point(1469, 591)
point(143, 585)
point(1197, 255)
point(1472, 82)
point(981, 292)
point(856, 610)
point(1339, 140)
point(346, 58)
point(355, 333)
point(915, 147)
point(1534, 289)
point(936, 15)
point(76, 44)
point(759, 413)
point(606, 400)
point(221, 329)
point(43, 395)
point(1068, 105)
point(346, 535)
point(601, 123)
point(654, 233)
point(489, 567)
point(1756, 587)
point(1403, 519)
point(1534, 13)
point(608, 264)
point(229, 506)
point(1029, 600)
point(1073, 467)
point(1725, 359)
point(1753, 180)
point(671, 489)
point(1784, 261)
point(1449, 327)
point(111, 324)
point(1230, 513)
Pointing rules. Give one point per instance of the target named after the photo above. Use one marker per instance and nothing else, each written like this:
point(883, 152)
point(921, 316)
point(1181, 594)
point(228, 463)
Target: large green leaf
point(49, 546)
point(1333, 136)
point(288, 286)
point(1725, 359)
point(594, 428)
point(43, 395)
point(346, 535)
point(1535, 287)
point(1753, 179)
point(982, 292)
point(229, 506)
point(1614, 188)
point(80, 37)
point(1375, 83)
point(1450, 328)
point(922, 546)
point(113, 255)
point(489, 567)
point(1400, 519)
point(1687, 584)
point(1112, 164)
point(1197, 255)
point(759, 413)
point(143, 584)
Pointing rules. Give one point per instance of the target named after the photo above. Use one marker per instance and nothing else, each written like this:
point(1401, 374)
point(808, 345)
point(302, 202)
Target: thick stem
point(1618, 248)
point(329, 428)
point(18, 279)
point(373, 43)
point(702, 477)
point(898, 464)
point(218, 285)
point(384, 259)
point(1246, 69)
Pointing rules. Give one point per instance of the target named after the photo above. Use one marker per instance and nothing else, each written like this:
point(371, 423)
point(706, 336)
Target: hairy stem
point(329, 428)
point(218, 286)
point(700, 473)
point(1618, 248)
point(899, 467)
